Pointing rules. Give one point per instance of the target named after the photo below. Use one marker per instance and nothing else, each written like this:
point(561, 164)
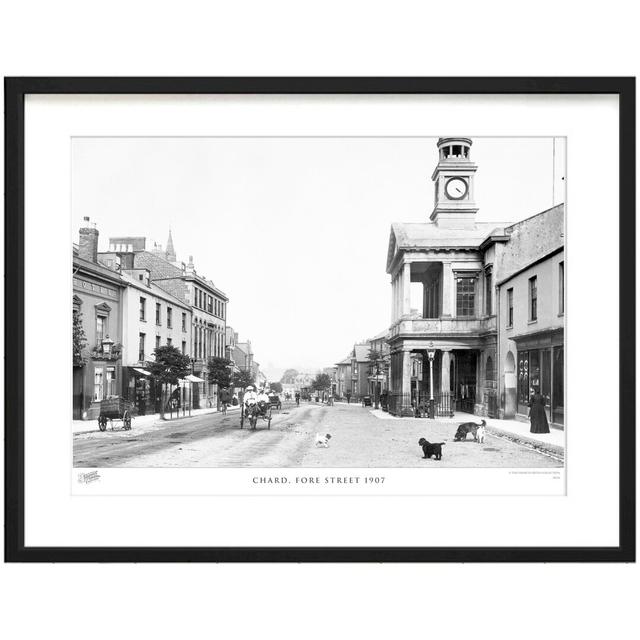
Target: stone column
point(406, 289)
point(445, 371)
point(447, 290)
point(406, 371)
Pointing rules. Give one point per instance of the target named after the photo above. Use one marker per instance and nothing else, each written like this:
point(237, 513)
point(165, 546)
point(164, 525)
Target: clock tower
point(455, 206)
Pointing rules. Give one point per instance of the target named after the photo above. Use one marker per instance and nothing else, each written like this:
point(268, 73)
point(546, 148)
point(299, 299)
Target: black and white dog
point(431, 448)
point(468, 427)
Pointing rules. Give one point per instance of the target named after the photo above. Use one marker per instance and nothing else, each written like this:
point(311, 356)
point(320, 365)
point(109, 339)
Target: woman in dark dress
point(537, 414)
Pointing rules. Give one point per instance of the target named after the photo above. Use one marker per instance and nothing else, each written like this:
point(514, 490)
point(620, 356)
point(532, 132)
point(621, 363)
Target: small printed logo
point(89, 476)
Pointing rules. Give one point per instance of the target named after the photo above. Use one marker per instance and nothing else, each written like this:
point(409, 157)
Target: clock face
point(456, 188)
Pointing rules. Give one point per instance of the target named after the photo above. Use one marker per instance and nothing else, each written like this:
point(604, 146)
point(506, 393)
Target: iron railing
point(418, 405)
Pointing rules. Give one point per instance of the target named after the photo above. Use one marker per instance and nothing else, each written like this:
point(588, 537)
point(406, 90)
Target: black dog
point(431, 448)
point(468, 427)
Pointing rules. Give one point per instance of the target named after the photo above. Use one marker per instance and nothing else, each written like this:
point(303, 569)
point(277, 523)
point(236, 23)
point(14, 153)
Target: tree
point(289, 376)
point(321, 382)
point(242, 379)
point(276, 387)
point(219, 371)
point(169, 366)
point(79, 339)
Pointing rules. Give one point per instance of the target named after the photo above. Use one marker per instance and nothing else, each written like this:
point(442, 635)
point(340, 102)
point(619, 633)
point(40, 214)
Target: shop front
point(540, 368)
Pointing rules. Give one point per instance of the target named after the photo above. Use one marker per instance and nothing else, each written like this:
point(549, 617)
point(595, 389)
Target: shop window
point(466, 297)
point(533, 299)
point(523, 377)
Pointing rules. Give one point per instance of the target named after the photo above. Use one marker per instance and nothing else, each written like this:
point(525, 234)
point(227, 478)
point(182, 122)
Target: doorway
point(465, 380)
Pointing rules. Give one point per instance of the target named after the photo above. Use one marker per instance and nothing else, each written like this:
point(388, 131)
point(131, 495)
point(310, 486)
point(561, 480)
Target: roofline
point(531, 264)
point(555, 206)
point(98, 269)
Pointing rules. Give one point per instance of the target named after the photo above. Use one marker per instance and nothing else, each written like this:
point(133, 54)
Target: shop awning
point(142, 371)
point(192, 378)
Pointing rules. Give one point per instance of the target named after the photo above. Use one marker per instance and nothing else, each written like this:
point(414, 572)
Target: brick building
point(97, 309)
point(208, 304)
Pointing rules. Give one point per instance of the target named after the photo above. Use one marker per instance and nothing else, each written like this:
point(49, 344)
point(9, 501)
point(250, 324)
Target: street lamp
point(431, 352)
point(107, 343)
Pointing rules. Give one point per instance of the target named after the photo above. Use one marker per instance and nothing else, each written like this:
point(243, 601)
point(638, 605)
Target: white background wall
point(323, 38)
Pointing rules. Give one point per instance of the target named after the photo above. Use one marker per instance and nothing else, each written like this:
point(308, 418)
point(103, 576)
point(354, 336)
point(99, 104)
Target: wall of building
point(549, 319)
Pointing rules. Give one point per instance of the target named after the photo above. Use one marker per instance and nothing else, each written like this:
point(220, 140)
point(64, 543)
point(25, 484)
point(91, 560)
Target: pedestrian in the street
point(297, 398)
point(537, 414)
point(348, 394)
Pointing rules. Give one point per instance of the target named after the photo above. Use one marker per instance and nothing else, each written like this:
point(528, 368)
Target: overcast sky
point(295, 230)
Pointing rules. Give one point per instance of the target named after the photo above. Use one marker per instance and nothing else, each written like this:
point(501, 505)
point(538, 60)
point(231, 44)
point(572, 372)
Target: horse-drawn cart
point(112, 409)
point(252, 413)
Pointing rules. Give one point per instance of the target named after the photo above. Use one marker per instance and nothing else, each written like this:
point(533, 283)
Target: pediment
point(104, 307)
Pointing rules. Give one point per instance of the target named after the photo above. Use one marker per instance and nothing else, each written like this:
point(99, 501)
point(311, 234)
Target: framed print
point(320, 319)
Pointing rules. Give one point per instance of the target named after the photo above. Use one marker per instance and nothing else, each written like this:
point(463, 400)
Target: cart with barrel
point(115, 409)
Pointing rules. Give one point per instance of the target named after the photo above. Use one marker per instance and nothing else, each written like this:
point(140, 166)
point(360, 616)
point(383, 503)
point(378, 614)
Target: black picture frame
point(15, 91)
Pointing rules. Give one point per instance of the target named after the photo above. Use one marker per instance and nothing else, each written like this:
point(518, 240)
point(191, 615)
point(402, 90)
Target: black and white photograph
point(319, 302)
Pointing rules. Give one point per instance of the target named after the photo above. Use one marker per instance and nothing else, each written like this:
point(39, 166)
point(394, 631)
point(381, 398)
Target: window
point(169, 341)
point(97, 384)
point(561, 288)
point(143, 309)
point(533, 299)
point(210, 304)
point(488, 291)
point(184, 322)
point(466, 297)
point(510, 307)
point(195, 297)
point(157, 341)
point(169, 318)
point(158, 308)
point(101, 327)
point(111, 382)
point(141, 348)
point(184, 348)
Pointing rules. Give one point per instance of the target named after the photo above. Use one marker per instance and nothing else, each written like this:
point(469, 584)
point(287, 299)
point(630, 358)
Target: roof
point(428, 235)
point(346, 360)
point(381, 335)
point(153, 289)
point(362, 352)
point(97, 269)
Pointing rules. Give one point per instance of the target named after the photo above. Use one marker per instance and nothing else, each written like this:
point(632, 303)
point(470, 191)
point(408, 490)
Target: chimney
point(88, 248)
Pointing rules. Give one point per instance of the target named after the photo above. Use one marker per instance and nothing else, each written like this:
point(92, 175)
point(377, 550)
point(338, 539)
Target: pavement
point(554, 440)
point(360, 438)
point(141, 422)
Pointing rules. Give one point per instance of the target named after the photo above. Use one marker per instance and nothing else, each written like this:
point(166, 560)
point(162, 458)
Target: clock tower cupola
point(455, 206)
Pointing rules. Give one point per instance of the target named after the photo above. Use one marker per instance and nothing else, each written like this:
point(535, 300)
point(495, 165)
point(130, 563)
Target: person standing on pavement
point(297, 398)
point(537, 414)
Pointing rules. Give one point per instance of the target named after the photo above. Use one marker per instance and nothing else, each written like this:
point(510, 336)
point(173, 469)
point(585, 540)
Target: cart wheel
point(126, 421)
point(102, 423)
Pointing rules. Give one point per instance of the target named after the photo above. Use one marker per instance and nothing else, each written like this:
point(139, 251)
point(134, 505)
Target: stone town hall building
point(459, 262)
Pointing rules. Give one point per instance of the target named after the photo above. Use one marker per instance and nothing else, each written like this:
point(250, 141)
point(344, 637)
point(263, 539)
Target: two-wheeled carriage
point(117, 409)
point(252, 413)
